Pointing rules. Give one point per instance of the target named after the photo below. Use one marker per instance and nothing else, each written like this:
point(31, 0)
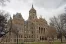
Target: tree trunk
point(61, 37)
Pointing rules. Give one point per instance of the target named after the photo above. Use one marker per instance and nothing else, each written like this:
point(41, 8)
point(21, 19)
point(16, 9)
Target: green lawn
point(45, 42)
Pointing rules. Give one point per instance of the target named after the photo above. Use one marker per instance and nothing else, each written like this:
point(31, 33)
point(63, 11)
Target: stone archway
point(43, 38)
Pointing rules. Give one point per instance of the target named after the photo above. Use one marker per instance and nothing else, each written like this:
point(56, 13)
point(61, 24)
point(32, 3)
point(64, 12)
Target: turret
point(18, 16)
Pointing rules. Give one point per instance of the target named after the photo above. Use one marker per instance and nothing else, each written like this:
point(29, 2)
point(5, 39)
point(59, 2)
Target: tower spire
point(32, 5)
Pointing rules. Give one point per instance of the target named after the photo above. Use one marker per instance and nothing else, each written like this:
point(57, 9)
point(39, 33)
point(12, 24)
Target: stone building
point(32, 30)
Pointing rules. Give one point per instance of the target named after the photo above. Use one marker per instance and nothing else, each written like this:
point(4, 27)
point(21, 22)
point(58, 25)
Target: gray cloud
point(49, 3)
point(46, 8)
point(46, 3)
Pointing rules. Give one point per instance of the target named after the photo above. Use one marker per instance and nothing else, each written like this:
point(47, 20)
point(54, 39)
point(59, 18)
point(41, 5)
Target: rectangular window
point(32, 32)
point(21, 36)
point(14, 40)
point(32, 36)
point(39, 29)
point(44, 30)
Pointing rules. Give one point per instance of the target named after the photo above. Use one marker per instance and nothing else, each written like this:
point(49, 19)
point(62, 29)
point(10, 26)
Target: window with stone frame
point(29, 36)
point(6, 40)
point(39, 29)
point(44, 30)
point(14, 40)
point(21, 36)
point(31, 27)
point(32, 36)
point(25, 37)
point(40, 37)
point(32, 32)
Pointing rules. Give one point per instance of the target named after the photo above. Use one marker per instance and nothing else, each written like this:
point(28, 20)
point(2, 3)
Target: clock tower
point(32, 13)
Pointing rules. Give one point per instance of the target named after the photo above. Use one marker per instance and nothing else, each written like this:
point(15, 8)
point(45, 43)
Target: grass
point(43, 43)
point(57, 43)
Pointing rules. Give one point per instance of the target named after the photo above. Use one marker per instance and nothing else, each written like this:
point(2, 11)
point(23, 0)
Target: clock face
point(34, 13)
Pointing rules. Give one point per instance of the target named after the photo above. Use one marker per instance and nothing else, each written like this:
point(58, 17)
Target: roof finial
point(32, 5)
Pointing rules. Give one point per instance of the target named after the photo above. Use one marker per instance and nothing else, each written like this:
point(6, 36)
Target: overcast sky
point(44, 8)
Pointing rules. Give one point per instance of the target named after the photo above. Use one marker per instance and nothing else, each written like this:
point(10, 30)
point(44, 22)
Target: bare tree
point(63, 22)
point(55, 22)
point(3, 23)
point(51, 32)
point(3, 2)
point(58, 24)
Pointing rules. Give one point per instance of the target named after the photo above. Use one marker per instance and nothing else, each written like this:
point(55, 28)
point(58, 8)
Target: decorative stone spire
point(32, 5)
point(32, 9)
point(18, 16)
